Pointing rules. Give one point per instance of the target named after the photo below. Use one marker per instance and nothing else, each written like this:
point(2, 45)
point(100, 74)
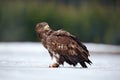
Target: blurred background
point(96, 21)
point(22, 57)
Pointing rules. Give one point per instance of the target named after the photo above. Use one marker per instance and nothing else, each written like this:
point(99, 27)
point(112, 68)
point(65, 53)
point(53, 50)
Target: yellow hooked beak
point(46, 27)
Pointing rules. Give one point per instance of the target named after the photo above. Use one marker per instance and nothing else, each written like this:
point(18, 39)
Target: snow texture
point(30, 61)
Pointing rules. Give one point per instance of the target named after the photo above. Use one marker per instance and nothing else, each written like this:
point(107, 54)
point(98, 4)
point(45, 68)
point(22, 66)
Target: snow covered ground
point(30, 61)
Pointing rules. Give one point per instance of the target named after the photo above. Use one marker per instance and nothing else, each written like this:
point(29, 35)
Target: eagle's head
point(42, 27)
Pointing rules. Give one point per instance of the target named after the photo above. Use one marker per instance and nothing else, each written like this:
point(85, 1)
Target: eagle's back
point(68, 47)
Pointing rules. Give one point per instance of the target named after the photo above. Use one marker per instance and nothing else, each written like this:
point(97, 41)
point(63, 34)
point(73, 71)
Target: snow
point(103, 48)
point(30, 61)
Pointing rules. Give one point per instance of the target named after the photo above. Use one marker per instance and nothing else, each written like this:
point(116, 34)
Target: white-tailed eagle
point(62, 46)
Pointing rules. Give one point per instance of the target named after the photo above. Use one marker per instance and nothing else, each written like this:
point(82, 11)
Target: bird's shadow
point(72, 67)
point(62, 67)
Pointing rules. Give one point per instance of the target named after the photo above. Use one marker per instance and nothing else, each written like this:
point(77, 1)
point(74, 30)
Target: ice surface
point(29, 61)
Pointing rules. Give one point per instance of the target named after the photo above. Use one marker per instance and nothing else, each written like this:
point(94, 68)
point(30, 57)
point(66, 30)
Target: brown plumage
point(62, 46)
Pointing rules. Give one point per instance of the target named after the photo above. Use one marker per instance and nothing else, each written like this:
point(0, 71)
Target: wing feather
point(64, 43)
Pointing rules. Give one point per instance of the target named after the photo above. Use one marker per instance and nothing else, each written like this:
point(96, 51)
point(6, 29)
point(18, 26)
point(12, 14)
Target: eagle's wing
point(80, 44)
point(64, 43)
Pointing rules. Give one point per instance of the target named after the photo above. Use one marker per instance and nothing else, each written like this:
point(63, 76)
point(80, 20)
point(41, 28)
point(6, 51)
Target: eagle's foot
point(55, 65)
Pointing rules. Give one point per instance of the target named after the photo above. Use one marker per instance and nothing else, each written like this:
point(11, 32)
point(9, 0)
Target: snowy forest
point(95, 21)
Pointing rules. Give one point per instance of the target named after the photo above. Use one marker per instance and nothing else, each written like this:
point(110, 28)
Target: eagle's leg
point(55, 63)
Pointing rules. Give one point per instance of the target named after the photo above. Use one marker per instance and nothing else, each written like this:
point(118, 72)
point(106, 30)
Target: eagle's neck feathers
point(44, 36)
